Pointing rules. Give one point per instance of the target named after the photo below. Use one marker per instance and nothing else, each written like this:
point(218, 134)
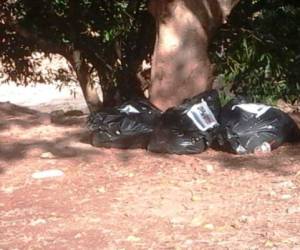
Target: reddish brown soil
point(133, 199)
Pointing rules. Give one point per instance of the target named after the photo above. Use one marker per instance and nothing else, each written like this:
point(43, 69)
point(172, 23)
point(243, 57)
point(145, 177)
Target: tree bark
point(180, 64)
point(83, 75)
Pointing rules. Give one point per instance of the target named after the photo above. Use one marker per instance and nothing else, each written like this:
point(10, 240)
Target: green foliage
point(258, 51)
point(112, 36)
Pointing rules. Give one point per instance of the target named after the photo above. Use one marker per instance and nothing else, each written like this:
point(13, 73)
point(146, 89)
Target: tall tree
point(180, 64)
point(110, 39)
point(107, 38)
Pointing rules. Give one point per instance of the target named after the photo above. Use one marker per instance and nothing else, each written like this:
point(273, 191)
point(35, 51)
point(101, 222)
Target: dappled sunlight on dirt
point(133, 199)
point(44, 97)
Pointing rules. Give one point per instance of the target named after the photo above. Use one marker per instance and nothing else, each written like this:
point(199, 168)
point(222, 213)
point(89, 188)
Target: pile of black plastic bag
point(192, 127)
point(127, 126)
point(189, 128)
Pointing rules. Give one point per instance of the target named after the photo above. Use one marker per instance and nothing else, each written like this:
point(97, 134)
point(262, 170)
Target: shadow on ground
point(23, 130)
point(279, 161)
point(59, 148)
point(13, 115)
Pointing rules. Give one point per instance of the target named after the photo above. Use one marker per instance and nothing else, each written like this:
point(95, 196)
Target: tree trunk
point(180, 64)
point(83, 75)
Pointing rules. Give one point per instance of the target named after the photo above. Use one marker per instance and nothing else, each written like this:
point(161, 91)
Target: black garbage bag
point(250, 127)
point(189, 128)
point(126, 126)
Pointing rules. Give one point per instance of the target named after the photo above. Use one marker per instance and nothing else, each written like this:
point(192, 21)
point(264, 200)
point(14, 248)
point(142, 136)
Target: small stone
point(210, 169)
point(235, 225)
point(101, 190)
point(38, 222)
point(293, 210)
point(57, 116)
point(47, 155)
point(47, 174)
point(209, 226)
point(8, 190)
point(177, 220)
point(78, 236)
point(287, 184)
point(196, 198)
point(269, 243)
point(189, 242)
point(133, 238)
point(200, 181)
point(286, 197)
point(244, 219)
point(247, 219)
point(58, 112)
point(197, 221)
point(130, 175)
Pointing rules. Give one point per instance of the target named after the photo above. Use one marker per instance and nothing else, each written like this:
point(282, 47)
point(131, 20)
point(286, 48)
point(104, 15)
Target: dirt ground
point(133, 199)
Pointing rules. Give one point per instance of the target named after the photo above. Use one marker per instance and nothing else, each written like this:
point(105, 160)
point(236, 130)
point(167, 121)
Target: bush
point(257, 52)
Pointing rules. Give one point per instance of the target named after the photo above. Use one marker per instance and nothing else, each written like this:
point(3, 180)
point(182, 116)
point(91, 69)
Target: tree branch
point(41, 43)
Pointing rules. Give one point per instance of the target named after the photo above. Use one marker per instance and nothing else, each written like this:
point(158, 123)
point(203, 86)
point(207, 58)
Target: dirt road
point(133, 199)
